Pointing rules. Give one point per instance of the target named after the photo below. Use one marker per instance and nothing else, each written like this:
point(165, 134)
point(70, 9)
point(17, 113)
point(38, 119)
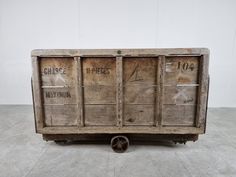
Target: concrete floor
point(23, 153)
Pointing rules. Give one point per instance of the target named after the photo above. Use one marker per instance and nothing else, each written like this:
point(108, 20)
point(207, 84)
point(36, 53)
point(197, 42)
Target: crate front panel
point(58, 79)
point(139, 90)
point(99, 88)
point(181, 82)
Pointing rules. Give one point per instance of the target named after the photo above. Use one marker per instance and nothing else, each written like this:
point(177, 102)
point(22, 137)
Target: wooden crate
point(120, 91)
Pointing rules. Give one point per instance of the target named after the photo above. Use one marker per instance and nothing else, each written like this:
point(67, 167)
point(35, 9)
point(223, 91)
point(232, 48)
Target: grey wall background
point(31, 24)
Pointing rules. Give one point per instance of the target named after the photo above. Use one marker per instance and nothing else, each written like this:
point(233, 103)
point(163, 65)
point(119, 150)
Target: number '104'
point(184, 66)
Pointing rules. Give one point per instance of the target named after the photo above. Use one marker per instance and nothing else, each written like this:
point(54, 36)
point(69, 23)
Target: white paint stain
point(168, 67)
point(59, 78)
point(181, 93)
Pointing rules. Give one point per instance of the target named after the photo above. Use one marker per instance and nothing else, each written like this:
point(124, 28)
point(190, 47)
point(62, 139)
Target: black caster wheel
point(119, 143)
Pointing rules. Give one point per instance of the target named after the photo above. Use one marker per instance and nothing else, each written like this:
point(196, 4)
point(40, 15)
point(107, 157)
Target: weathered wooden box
point(120, 92)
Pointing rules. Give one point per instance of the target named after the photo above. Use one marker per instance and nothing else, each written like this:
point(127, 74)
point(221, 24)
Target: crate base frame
point(134, 138)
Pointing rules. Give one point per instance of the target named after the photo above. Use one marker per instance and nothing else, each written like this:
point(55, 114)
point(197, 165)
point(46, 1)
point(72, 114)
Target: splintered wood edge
point(119, 52)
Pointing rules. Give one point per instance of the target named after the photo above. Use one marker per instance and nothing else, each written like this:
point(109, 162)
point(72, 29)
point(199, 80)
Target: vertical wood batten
point(37, 93)
point(160, 90)
point(157, 92)
point(79, 92)
point(119, 91)
point(202, 90)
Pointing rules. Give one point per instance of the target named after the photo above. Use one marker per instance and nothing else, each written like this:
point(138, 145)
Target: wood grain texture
point(61, 115)
point(137, 94)
point(97, 94)
point(103, 115)
point(181, 115)
point(139, 115)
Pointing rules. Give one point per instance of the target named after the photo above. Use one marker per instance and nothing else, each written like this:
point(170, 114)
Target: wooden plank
point(180, 95)
point(160, 90)
point(36, 82)
point(157, 92)
point(97, 115)
point(124, 129)
point(182, 115)
point(97, 94)
point(79, 93)
point(119, 52)
point(137, 94)
point(203, 91)
point(61, 115)
point(140, 115)
point(119, 91)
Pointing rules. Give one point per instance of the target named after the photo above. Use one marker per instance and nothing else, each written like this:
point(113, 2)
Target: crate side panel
point(139, 90)
point(181, 82)
point(58, 90)
point(99, 83)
